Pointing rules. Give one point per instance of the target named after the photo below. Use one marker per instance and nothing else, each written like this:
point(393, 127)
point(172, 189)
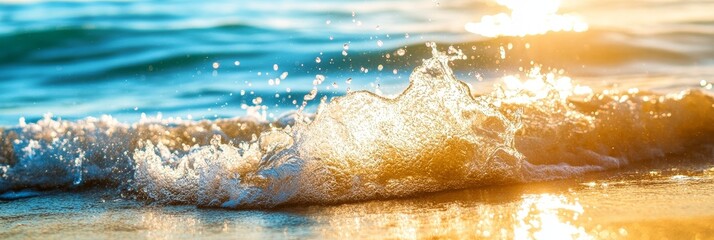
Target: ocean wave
point(434, 136)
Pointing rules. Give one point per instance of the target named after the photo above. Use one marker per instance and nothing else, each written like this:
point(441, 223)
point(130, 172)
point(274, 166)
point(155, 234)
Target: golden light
point(538, 86)
point(527, 17)
point(549, 216)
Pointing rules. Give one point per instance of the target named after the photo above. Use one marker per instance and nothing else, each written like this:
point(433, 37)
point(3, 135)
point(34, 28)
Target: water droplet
point(257, 100)
point(275, 67)
point(318, 60)
point(348, 81)
point(271, 82)
point(344, 53)
point(331, 38)
point(379, 43)
point(311, 95)
point(406, 35)
point(328, 22)
point(394, 71)
point(380, 67)
point(377, 28)
point(237, 63)
point(479, 77)
point(401, 52)
point(284, 75)
point(318, 79)
point(346, 46)
point(452, 50)
point(216, 65)
point(503, 52)
point(334, 85)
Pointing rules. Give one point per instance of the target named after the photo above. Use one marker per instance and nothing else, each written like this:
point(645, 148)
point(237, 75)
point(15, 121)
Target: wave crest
point(434, 136)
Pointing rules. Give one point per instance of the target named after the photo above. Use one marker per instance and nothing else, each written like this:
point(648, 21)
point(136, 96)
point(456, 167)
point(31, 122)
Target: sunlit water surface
point(660, 203)
point(578, 120)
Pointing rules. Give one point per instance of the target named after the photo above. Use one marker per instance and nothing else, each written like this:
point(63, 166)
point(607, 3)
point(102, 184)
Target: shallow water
point(157, 109)
point(612, 205)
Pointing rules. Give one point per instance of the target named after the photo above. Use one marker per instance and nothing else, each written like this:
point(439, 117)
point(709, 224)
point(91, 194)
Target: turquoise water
point(78, 59)
point(125, 58)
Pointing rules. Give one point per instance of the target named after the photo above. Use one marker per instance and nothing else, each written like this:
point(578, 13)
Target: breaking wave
point(434, 136)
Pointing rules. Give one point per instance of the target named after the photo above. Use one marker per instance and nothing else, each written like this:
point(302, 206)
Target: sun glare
point(549, 216)
point(536, 86)
point(527, 17)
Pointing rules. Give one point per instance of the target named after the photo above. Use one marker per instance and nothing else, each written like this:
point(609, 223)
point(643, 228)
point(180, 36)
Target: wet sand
point(638, 203)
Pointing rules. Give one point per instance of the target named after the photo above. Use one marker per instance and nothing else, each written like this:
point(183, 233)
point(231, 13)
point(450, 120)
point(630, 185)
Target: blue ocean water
point(205, 59)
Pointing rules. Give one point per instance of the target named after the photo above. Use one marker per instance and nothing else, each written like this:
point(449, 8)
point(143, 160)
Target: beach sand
point(657, 203)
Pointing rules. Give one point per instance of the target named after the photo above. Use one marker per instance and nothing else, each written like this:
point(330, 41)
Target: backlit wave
point(434, 136)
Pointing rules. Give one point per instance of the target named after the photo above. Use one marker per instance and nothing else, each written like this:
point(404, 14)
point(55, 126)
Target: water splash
point(434, 136)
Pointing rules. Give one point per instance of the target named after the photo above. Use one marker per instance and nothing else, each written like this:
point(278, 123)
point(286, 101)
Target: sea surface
point(357, 119)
